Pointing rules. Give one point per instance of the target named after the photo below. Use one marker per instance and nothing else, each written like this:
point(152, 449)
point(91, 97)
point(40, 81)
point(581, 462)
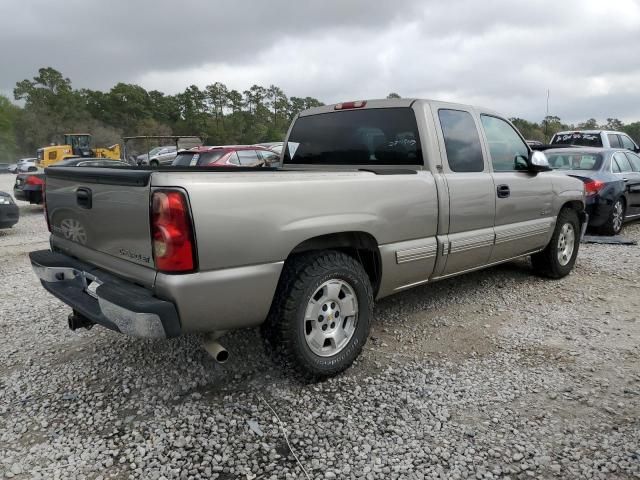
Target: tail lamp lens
point(172, 232)
point(33, 180)
point(592, 187)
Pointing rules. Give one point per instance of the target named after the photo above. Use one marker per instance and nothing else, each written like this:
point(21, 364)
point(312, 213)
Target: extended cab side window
point(461, 141)
point(507, 150)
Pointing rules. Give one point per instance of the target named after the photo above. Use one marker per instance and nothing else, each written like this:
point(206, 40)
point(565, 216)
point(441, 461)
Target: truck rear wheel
point(321, 314)
point(559, 256)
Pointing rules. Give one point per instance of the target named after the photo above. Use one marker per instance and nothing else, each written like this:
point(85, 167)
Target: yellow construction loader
point(75, 145)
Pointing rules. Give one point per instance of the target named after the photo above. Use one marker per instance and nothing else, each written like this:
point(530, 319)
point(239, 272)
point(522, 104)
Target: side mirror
point(538, 162)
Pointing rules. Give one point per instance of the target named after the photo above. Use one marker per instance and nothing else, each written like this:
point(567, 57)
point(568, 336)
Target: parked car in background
point(90, 162)
point(26, 162)
point(28, 186)
point(535, 143)
point(273, 146)
point(378, 196)
point(144, 158)
point(9, 211)
point(28, 167)
point(612, 183)
point(159, 156)
point(595, 138)
point(229, 155)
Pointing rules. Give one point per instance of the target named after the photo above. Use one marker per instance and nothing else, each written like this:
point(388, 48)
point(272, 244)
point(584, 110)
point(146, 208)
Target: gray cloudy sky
point(503, 54)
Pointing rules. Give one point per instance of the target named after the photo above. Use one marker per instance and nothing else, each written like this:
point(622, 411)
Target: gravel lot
point(497, 374)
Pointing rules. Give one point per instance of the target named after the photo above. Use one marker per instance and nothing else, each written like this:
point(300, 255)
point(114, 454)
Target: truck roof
point(387, 103)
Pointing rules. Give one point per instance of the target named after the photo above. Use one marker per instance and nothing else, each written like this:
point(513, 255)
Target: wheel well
point(574, 205)
point(362, 246)
point(578, 207)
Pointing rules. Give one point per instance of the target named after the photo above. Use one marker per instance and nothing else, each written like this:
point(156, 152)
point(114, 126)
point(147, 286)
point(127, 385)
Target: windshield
point(192, 159)
point(575, 161)
point(578, 138)
point(385, 136)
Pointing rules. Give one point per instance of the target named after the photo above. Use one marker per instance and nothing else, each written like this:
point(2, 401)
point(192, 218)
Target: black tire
point(612, 226)
point(154, 163)
point(285, 328)
point(547, 262)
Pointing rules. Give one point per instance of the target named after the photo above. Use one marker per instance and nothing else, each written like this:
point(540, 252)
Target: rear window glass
point(575, 161)
point(385, 136)
point(578, 138)
point(192, 159)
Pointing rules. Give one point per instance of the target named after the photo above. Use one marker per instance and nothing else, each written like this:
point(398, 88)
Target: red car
point(226, 156)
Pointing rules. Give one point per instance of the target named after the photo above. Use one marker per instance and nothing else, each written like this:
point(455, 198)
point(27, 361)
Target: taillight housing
point(33, 180)
point(172, 232)
point(592, 187)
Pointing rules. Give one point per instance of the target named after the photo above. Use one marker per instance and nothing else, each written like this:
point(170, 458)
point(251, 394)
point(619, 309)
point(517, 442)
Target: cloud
point(498, 53)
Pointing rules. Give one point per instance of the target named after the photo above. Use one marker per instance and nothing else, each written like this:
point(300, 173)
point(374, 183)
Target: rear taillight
point(592, 187)
point(33, 180)
point(172, 232)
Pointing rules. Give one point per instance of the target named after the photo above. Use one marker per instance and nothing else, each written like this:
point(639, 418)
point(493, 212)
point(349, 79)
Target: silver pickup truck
point(373, 197)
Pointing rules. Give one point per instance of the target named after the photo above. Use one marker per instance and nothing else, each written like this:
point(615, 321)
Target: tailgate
point(102, 209)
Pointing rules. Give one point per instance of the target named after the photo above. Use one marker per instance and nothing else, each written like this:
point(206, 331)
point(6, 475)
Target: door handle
point(83, 198)
point(503, 191)
point(625, 180)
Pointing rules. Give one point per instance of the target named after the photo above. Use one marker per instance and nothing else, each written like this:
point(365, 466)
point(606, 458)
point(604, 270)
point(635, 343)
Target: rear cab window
point(582, 139)
point(376, 136)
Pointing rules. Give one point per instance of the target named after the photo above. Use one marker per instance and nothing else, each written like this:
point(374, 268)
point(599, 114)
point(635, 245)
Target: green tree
point(393, 95)
point(613, 124)
point(633, 130)
point(8, 116)
point(590, 124)
point(529, 130)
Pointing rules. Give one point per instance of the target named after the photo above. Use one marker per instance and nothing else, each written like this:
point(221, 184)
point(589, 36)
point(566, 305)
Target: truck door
point(524, 215)
point(468, 242)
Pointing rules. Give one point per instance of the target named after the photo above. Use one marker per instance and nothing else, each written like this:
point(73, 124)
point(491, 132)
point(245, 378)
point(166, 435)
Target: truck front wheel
point(321, 314)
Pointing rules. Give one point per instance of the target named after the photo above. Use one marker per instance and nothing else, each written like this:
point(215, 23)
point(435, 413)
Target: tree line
point(544, 130)
point(216, 113)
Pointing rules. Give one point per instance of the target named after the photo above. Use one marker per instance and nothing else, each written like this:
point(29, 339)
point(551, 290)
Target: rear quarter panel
point(260, 217)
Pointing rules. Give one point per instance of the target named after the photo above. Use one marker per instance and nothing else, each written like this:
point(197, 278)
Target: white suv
point(595, 138)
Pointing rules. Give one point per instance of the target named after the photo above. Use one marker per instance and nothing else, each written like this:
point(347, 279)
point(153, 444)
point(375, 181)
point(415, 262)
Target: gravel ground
point(496, 374)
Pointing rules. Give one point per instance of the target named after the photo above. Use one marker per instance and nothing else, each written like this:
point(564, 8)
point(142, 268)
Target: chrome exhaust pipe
point(213, 348)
